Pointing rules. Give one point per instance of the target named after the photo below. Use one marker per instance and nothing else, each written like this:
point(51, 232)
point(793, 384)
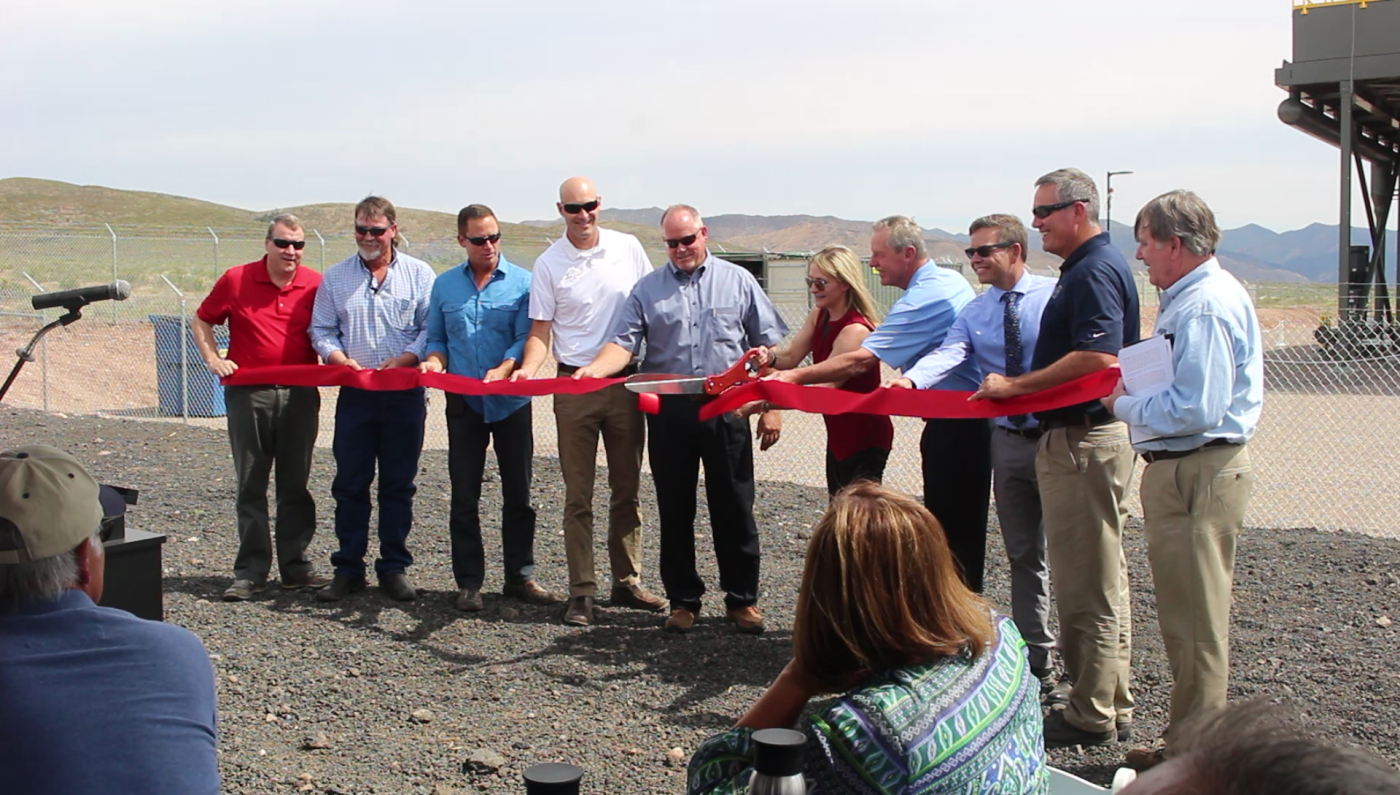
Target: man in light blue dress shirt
point(1000, 323)
point(1193, 436)
point(956, 453)
point(372, 312)
point(478, 319)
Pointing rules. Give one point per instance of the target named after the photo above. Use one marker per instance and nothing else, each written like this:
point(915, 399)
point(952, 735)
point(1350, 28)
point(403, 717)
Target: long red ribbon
point(927, 403)
point(408, 378)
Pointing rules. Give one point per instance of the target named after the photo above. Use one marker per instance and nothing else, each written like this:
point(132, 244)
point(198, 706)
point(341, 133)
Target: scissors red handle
point(745, 370)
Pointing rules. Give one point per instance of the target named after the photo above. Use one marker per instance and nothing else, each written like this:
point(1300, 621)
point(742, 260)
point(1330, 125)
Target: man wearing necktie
point(998, 329)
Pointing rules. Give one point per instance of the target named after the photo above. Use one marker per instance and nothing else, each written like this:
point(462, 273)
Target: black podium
point(132, 580)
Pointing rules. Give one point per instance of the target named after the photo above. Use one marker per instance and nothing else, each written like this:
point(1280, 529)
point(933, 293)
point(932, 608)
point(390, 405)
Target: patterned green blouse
point(956, 725)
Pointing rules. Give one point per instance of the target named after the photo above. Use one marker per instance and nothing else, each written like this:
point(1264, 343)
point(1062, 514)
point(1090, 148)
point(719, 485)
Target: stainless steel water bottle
point(552, 779)
point(777, 762)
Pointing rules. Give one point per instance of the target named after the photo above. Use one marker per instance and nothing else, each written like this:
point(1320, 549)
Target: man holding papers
point(1191, 428)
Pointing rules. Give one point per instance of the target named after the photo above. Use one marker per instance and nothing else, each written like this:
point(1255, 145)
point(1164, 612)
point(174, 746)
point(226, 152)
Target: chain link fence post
point(43, 346)
point(184, 354)
point(216, 251)
point(114, 266)
point(323, 248)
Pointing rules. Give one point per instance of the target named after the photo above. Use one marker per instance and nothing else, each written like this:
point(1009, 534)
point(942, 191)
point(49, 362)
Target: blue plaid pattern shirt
point(372, 323)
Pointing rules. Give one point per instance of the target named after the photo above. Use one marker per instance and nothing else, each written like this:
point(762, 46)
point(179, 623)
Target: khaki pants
point(1193, 509)
point(613, 413)
point(1083, 474)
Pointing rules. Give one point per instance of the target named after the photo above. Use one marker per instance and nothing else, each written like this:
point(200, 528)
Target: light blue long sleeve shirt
point(478, 329)
point(697, 323)
point(370, 322)
point(1218, 355)
point(979, 334)
point(920, 319)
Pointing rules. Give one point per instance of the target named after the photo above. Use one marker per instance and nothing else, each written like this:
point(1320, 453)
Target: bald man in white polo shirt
point(580, 283)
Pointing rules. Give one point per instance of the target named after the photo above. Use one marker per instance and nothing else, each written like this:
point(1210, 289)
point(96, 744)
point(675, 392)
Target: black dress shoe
point(397, 587)
point(580, 612)
point(340, 588)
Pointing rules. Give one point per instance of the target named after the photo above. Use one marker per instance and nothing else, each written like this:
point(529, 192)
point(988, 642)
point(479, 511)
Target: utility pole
point(1108, 202)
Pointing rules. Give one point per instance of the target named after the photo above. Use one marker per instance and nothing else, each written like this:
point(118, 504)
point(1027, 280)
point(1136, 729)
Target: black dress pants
point(467, 435)
point(677, 442)
point(957, 464)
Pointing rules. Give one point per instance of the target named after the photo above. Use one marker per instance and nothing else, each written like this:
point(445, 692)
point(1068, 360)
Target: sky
point(943, 111)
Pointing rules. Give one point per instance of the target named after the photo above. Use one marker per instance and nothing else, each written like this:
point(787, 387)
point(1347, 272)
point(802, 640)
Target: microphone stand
point(26, 354)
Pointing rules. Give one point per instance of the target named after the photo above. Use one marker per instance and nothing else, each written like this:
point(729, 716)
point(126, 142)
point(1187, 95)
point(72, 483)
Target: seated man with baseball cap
point(91, 699)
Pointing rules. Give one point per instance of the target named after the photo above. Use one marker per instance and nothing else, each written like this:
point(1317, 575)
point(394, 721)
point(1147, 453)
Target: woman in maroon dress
point(843, 315)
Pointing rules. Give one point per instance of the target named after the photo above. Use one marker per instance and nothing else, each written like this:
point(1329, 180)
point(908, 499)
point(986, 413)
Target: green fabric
point(956, 725)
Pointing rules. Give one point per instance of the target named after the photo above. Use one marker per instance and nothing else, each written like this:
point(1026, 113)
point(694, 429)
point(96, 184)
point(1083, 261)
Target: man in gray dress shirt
point(698, 314)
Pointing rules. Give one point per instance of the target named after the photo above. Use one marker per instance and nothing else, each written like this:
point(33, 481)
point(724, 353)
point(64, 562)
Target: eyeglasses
point(674, 242)
point(372, 231)
point(481, 241)
point(1046, 210)
point(573, 209)
point(986, 251)
point(296, 244)
point(820, 284)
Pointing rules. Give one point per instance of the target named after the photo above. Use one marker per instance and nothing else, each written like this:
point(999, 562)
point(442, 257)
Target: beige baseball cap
point(48, 503)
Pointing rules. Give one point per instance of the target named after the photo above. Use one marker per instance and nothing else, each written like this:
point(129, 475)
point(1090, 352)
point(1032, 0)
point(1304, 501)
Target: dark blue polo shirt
point(1094, 308)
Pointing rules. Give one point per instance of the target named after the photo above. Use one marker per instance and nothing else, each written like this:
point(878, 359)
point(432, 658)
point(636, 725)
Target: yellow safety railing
point(1306, 5)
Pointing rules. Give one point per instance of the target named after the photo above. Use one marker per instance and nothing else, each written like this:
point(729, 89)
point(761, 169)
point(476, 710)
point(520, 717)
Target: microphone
point(118, 290)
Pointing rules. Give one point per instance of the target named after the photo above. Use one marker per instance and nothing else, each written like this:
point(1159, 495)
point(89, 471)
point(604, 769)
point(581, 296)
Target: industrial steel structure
point(1344, 88)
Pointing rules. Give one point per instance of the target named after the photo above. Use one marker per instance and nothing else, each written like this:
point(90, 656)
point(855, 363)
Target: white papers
point(1147, 369)
point(1147, 366)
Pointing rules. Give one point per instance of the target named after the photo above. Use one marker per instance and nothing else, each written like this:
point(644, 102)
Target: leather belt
point(1153, 456)
point(1089, 419)
point(1027, 433)
point(569, 369)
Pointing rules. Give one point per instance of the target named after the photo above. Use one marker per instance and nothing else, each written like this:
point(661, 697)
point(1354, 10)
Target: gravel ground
point(402, 698)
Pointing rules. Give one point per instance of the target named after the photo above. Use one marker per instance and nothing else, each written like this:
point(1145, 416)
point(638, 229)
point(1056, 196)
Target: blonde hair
point(881, 591)
point(842, 264)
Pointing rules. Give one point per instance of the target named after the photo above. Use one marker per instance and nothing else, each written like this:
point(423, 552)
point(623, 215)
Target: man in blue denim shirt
point(478, 319)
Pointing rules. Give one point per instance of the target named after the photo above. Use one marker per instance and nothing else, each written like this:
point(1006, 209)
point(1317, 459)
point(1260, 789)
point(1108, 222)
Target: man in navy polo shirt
point(1084, 461)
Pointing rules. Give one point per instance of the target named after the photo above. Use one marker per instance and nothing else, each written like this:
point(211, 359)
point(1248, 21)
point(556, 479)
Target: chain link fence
point(1323, 452)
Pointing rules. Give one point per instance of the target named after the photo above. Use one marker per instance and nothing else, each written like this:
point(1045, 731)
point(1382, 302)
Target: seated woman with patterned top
point(938, 697)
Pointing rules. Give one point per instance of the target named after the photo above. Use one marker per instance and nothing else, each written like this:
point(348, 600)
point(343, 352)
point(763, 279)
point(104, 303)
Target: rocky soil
point(373, 696)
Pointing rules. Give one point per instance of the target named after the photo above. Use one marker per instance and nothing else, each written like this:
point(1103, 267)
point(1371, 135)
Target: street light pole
point(1108, 201)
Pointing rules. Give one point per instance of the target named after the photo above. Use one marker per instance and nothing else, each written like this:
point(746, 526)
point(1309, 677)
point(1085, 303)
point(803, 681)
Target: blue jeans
point(384, 428)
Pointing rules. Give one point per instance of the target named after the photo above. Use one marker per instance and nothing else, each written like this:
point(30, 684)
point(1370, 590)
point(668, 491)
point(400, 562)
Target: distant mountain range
point(1251, 252)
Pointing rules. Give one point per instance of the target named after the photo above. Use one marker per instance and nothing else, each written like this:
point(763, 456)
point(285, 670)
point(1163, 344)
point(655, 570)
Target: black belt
point(1089, 419)
point(569, 369)
point(1028, 433)
point(1153, 456)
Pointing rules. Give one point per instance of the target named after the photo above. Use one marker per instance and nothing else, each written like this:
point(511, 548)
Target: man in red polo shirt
point(267, 305)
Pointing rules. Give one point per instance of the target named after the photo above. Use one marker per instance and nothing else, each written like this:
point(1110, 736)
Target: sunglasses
point(372, 231)
point(296, 244)
point(675, 242)
point(986, 251)
point(820, 284)
point(1047, 210)
point(574, 209)
point(481, 241)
